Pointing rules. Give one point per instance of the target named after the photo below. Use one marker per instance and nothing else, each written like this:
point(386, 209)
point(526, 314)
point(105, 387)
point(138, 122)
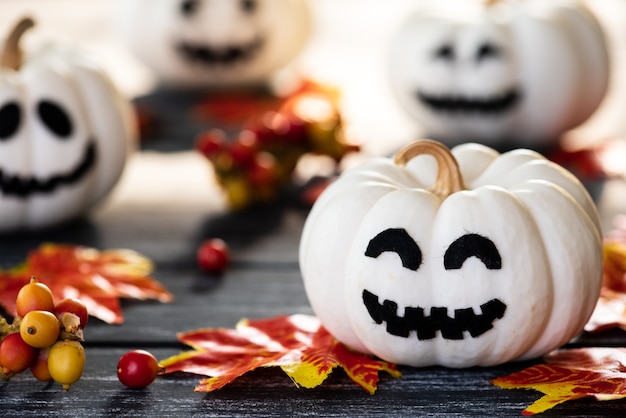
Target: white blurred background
point(348, 50)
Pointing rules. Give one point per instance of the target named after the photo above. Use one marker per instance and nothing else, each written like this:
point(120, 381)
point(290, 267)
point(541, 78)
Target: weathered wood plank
point(435, 392)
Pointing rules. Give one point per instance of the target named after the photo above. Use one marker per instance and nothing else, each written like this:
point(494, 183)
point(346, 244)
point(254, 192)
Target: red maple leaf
point(232, 108)
point(598, 161)
point(98, 278)
point(599, 373)
point(298, 344)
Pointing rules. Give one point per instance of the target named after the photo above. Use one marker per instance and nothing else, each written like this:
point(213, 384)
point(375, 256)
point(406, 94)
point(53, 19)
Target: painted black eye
point(10, 118)
point(248, 6)
point(487, 51)
point(445, 52)
point(55, 118)
point(399, 242)
point(472, 245)
point(189, 7)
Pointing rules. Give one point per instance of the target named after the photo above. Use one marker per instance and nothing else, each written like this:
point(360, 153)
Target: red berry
point(264, 170)
point(39, 368)
point(210, 142)
point(75, 306)
point(244, 149)
point(286, 129)
point(294, 131)
point(260, 126)
point(137, 369)
point(15, 355)
point(213, 256)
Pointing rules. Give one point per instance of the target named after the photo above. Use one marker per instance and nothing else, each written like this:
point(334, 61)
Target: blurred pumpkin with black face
point(215, 43)
point(65, 132)
point(506, 73)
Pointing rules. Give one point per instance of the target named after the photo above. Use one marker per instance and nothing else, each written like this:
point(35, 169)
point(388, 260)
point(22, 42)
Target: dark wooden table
point(263, 281)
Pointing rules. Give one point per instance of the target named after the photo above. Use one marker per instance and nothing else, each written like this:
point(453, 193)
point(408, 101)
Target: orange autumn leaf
point(598, 373)
point(298, 344)
point(98, 278)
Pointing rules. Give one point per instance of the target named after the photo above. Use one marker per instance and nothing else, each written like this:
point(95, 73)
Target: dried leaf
point(98, 278)
point(298, 344)
point(599, 373)
point(610, 311)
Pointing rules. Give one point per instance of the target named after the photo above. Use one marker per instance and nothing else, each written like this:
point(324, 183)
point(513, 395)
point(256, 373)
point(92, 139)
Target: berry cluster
point(44, 337)
point(259, 162)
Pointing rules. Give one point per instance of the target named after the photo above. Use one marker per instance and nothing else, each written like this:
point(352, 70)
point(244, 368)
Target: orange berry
point(34, 296)
point(40, 329)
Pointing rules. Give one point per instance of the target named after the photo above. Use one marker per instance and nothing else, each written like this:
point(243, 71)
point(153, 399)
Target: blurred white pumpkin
point(65, 133)
point(214, 43)
point(517, 72)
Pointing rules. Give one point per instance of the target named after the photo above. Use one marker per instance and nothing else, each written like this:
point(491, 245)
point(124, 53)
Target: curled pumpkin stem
point(449, 179)
point(11, 56)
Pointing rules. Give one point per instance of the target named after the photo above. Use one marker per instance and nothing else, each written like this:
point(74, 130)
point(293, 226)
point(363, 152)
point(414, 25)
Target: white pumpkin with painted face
point(506, 72)
point(501, 259)
point(65, 132)
point(215, 43)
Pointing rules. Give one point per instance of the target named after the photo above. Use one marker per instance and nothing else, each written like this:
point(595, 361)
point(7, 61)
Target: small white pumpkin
point(500, 259)
point(509, 73)
point(215, 43)
point(65, 132)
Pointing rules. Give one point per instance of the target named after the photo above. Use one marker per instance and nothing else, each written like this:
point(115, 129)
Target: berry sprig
point(44, 337)
point(258, 163)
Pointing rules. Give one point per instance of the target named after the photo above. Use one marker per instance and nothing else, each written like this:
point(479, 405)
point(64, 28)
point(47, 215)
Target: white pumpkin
point(508, 73)
point(65, 132)
point(215, 43)
point(500, 259)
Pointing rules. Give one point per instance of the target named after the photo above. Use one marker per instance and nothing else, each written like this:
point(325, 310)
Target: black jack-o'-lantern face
point(507, 74)
point(418, 320)
point(462, 103)
point(56, 124)
point(215, 43)
point(225, 53)
point(458, 81)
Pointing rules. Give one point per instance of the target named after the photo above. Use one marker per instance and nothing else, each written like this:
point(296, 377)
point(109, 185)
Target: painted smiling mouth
point(23, 187)
point(426, 327)
point(212, 56)
point(460, 105)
